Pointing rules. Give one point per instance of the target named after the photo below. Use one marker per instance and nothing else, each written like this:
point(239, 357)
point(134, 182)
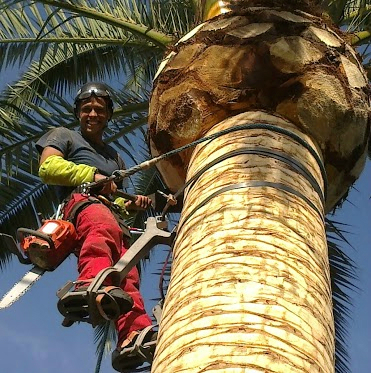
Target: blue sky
point(357, 213)
point(33, 340)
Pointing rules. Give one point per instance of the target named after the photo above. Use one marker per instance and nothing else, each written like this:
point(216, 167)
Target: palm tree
point(123, 41)
point(287, 100)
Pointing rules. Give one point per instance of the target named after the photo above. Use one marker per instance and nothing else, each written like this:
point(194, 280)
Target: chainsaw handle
point(11, 244)
point(38, 234)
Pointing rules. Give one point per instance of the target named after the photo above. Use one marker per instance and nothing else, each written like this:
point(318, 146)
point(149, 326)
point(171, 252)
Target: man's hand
point(141, 203)
point(107, 188)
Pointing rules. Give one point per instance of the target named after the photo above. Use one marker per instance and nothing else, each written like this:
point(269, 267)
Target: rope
point(254, 150)
point(270, 127)
point(162, 274)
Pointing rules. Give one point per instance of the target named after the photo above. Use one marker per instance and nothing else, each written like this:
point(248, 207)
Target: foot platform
point(137, 349)
point(87, 306)
point(95, 308)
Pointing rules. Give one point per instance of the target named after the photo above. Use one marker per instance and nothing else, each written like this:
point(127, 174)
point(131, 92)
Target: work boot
point(138, 348)
point(111, 302)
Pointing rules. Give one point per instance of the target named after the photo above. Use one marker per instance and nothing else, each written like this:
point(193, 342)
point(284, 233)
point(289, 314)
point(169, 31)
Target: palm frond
point(72, 44)
point(343, 279)
point(107, 343)
point(48, 21)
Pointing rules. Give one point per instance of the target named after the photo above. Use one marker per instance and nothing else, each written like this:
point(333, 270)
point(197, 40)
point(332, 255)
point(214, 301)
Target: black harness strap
point(290, 161)
point(280, 156)
point(253, 184)
point(78, 207)
point(81, 205)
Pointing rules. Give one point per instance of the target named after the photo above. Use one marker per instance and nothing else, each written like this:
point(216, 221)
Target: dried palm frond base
point(288, 63)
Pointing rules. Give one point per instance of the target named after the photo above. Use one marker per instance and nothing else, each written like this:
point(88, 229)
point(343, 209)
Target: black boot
point(136, 350)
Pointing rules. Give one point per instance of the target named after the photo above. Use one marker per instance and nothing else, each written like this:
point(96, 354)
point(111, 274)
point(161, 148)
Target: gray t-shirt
point(77, 149)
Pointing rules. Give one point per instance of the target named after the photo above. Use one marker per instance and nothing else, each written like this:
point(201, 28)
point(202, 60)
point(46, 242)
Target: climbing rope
point(149, 163)
point(121, 174)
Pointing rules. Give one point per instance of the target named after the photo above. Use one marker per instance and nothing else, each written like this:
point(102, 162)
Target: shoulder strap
point(78, 207)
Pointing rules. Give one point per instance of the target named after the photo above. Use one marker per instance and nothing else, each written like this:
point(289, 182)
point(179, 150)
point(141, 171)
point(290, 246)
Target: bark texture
point(289, 63)
point(250, 285)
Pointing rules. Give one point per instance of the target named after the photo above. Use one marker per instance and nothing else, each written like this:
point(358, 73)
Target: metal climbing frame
point(82, 306)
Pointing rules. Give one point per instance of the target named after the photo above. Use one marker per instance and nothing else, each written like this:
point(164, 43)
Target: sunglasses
point(93, 91)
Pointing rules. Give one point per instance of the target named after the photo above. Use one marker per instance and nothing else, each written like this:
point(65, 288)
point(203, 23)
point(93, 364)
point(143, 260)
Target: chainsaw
point(46, 248)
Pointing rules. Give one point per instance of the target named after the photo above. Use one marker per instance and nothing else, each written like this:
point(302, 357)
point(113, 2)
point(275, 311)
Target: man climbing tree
point(69, 159)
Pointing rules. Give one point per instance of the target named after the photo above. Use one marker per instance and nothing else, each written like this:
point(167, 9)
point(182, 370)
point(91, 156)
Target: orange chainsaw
point(50, 245)
point(46, 248)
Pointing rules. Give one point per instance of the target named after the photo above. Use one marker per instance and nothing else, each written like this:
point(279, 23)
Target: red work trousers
point(100, 245)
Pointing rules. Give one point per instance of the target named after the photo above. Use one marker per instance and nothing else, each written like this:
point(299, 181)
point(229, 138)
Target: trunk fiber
point(250, 287)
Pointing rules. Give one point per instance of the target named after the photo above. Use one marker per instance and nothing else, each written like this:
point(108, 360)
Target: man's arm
point(47, 152)
point(56, 170)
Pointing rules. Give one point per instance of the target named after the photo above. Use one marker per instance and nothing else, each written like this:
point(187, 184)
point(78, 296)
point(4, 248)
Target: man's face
point(93, 115)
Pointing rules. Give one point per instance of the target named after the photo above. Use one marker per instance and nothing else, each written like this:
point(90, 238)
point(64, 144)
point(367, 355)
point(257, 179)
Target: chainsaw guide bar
point(24, 284)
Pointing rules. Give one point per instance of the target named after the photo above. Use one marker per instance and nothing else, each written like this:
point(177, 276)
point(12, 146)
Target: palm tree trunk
point(250, 287)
